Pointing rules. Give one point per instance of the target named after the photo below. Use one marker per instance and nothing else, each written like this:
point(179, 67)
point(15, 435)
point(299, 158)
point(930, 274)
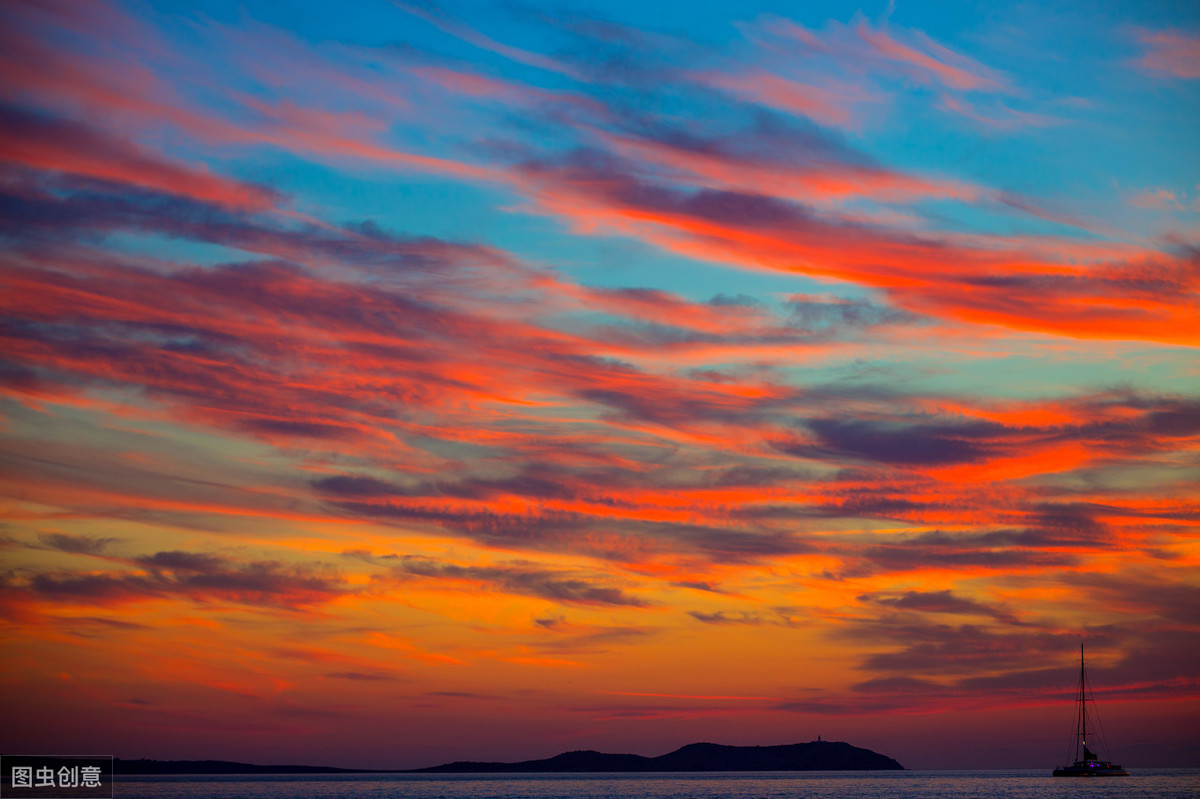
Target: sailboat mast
point(1082, 739)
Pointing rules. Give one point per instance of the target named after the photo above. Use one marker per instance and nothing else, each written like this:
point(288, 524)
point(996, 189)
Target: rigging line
point(1099, 725)
point(1076, 721)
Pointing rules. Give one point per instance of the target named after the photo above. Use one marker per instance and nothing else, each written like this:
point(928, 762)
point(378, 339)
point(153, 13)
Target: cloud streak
point(192, 576)
point(1170, 54)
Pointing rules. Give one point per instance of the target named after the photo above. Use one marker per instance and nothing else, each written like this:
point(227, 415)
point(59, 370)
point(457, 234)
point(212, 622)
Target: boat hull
point(1091, 770)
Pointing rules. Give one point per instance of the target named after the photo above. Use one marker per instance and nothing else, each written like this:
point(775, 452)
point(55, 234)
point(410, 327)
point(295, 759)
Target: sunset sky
point(387, 384)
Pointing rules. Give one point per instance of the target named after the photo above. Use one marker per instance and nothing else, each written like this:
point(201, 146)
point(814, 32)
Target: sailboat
point(1090, 764)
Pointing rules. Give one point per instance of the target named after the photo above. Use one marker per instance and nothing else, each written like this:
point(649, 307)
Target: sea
point(1000, 784)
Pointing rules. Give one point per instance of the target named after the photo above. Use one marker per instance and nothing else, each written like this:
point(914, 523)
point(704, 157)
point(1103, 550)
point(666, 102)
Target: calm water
point(1142, 784)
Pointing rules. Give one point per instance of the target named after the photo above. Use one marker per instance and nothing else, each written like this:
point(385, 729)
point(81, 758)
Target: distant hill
point(812, 756)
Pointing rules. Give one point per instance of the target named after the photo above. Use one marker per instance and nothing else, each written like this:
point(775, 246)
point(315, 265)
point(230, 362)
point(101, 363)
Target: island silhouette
point(815, 755)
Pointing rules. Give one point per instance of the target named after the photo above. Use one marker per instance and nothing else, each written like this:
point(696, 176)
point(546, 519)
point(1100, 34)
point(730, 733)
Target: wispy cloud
point(1170, 53)
point(194, 576)
point(518, 578)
